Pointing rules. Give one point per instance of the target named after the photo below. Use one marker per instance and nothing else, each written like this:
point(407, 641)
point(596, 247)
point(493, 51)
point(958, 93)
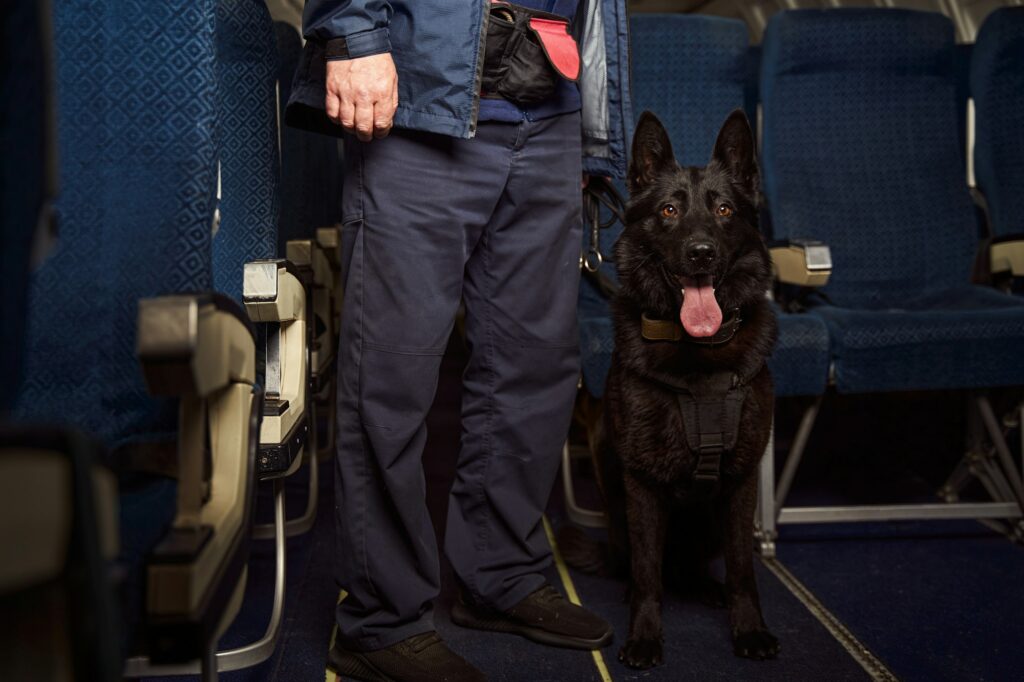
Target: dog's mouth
point(700, 313)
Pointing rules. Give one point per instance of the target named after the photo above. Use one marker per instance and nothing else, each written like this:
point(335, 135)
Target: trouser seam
point(363, 460)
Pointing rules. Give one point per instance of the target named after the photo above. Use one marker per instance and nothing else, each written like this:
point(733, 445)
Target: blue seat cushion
point(962, 338)
point(799, 363)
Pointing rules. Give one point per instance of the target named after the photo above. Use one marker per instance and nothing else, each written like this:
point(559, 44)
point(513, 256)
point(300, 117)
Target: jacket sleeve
point(349, 28)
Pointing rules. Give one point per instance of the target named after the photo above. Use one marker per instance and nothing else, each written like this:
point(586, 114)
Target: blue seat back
point(136, 93)
point(997, 85)
point(310, 170)
point(247, 140)
point(860, 149)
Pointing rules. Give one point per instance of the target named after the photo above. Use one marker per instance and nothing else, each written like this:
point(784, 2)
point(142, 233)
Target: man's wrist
point(362, 44)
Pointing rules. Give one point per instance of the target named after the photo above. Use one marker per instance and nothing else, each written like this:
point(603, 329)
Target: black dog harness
point(710, 404)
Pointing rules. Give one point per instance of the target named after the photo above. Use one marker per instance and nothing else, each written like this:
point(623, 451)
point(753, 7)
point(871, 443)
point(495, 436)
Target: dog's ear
point(734, 149)
point(652, 152)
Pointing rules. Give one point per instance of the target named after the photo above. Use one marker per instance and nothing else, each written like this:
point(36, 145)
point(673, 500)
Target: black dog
point(688, 404)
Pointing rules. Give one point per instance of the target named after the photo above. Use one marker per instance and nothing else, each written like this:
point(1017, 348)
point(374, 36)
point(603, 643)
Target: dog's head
point(691, 245)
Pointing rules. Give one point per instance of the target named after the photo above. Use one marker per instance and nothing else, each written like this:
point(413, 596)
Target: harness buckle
point(709, 457)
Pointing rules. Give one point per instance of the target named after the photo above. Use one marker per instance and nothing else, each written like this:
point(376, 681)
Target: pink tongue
point(700, 313)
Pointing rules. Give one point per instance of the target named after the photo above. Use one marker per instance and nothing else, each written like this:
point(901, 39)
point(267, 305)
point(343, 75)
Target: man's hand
point(362, 95)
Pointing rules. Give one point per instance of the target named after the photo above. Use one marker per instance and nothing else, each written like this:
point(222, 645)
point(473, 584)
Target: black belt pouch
point(526, 53)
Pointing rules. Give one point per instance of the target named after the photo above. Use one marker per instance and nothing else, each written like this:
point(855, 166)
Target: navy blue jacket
point(437, 47)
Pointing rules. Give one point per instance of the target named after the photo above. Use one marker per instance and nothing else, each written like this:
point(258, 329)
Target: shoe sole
point(354, 666)
point(464, 617)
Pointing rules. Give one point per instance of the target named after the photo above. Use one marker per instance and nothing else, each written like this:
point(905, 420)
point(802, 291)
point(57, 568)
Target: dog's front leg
point(647, 514)
point(750, 636)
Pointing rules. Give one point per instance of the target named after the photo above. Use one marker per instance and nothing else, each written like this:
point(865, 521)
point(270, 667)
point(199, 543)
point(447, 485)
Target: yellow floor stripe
point(574, 597)
point(330, 676)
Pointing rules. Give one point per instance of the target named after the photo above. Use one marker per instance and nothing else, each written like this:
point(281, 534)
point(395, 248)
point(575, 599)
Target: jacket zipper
point(479, 76)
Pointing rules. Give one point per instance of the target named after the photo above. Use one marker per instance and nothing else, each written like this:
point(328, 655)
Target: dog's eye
point(723, 211)
point(669, 211)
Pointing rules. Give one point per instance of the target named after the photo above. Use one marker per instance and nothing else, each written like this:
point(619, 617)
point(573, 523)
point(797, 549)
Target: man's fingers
point(347, 115)
point(332, 107)
point(383, 116)
point(380, 132)
point(364, 122)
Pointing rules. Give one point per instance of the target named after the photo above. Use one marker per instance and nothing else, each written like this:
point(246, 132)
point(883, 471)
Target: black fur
point(647, 467)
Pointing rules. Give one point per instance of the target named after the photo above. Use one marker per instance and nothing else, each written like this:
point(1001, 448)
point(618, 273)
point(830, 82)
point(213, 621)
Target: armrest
point(804, 263)
point(1006, 254)
point(329, 241)
point(307, 254)
point(202, 349)
point(274, 293)
point(196, 343)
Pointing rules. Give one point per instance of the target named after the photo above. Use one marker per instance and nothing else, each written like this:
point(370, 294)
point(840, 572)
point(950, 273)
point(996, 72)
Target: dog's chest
point(684, 438)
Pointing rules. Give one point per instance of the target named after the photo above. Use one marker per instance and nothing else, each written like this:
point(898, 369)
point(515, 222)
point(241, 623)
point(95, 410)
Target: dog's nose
point(701, 253)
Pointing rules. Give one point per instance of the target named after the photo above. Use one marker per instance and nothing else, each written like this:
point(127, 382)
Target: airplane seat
point(860, 150)
point(246, 261)
point(56, 593)
point(238, 80)
point(997, 85)
point(308, 230)
point(137, 181)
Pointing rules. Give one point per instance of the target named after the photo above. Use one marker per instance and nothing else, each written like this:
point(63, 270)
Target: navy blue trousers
point(431, 221)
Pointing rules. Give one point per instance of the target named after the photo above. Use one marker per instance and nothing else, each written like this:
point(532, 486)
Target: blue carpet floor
point(934, 601)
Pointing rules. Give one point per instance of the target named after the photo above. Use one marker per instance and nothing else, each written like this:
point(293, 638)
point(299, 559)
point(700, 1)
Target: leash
point(600, 193)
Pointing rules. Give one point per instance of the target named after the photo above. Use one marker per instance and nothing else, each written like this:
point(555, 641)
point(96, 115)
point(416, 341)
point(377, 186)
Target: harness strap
point(710, 407)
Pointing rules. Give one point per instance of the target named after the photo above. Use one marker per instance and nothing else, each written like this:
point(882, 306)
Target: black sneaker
point(421, 658)
point(545, 617)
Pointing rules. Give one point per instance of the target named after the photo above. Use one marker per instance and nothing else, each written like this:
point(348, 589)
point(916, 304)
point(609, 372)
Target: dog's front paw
point(641, 653)
point(756, 644)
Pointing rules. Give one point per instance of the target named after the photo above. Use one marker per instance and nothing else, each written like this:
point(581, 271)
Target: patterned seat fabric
point(692, 71)
point(310, 170)
point(136, 95)
point(247, 140)
point(136, 100)
point(860, 150)
point(997, 85)
point(964, 338)
point(800, 361)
